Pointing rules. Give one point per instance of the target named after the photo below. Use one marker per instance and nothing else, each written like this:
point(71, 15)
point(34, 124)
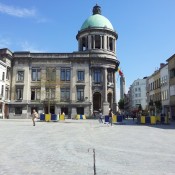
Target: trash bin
point(106, 118)
point(54, 117)
point(62, 117)
point(119, 118)
point(47, 117)
point(82, 116)
point(163, 119)
point(114, 119)
point(147, 119)
point(42, 117)
point(158, 119)
point(142, 120)
point(153, 119)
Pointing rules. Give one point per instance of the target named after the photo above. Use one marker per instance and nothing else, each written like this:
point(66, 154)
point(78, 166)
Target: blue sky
point(146, 29)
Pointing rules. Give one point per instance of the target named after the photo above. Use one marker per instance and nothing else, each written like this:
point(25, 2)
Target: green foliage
point(140, 107)
point(121, 104)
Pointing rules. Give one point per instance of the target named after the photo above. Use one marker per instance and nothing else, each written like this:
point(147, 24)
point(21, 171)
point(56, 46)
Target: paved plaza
point(66, 148)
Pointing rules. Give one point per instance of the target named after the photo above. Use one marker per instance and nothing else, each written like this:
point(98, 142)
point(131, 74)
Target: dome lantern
point(96, 10)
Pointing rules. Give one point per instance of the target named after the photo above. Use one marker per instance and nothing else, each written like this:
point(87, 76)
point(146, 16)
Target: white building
point(5, 65)
point(138, 93)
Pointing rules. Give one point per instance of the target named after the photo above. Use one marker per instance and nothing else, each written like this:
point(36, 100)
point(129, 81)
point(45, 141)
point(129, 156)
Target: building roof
point(97, 20)
point(170, 57)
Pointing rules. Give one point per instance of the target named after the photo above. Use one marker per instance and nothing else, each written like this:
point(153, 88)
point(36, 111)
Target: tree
point(121, 104)
point(140, 107)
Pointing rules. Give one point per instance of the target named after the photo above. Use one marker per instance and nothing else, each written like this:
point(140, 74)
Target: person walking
point(100, 116)
point(110, 116)
point(34, 116)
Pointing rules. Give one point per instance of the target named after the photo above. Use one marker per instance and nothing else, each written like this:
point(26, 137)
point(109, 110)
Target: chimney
point(161, 65)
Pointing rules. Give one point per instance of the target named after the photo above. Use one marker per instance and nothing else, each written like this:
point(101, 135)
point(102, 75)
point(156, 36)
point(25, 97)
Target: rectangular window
point(110, 77)
point(65, 94)
point(7, 93)
point(80, 75)
point(7, 74)
point(51, 74)
point(35, 94)
point(20, 76)
point(97, 76)
point(36, 74)
point(65, 74)
point(18, 110)
point(19, 93)
point(172, 73)
point(80, 94)
point(2, 90)
point(50, 93)
point(3, 75)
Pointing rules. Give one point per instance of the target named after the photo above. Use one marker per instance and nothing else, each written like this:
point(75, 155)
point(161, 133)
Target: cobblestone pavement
point(66, 148)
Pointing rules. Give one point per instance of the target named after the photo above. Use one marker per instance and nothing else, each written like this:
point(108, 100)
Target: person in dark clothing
point(100, 116)
point(110, 116)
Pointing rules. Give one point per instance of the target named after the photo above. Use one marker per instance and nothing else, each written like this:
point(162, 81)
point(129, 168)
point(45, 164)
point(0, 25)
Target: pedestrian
point(100, 116)
point(34, 116)
point(133, 116)
point(110, 116)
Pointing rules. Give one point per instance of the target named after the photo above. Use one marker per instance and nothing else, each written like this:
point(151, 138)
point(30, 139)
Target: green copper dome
point(97, 20)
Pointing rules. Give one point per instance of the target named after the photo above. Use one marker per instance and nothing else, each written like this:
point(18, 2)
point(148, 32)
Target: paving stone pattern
point(66, 148)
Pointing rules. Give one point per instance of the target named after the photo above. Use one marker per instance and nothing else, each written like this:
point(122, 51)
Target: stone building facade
point(74, 83)
point(171, 70)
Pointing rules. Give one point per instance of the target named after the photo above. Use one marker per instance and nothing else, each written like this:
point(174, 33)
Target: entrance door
point(96, 101)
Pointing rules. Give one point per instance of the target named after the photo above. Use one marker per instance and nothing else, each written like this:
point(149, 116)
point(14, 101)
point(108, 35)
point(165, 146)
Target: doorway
point(96, 101)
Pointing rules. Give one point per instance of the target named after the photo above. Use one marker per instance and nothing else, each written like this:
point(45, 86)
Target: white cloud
point(16, 11)
point(4, 43)
point(26, 46)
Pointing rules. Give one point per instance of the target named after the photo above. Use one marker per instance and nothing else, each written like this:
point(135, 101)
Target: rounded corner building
point(80, 82)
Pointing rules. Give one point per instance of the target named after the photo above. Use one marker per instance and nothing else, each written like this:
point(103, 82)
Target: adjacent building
point(138, 94)
point(171, 70)
point(164, 83)
point(5, 79)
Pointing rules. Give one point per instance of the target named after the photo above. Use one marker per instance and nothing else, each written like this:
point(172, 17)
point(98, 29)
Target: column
point(89, 42)
point(114, 45)
point(80, 44)
point(105, 42)
point(43, 82)
point(57, 88)
point(105, 84)
point(93, 41)
point(114, 94)
point(105, 102)
point(101, 42)
point(90, 91)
